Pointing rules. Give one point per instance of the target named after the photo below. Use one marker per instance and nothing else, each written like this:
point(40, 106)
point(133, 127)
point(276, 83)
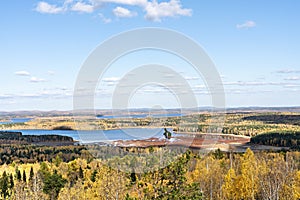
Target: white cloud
point(155, 11)
point(36, 80)
point(22, 73)
point(191, 78)
point(29, 95)
point(44, 7)
point(83, 7)
point(200, 86)
point(68, 2)
point(293, 78)
point(291, 86)
point(51, 72)
point(123, 12)
point(246, 25)
point(124, 2)
point(250, 83)
point(6, 96)
point(104, 19)
point(288, 71)
point(111, 79)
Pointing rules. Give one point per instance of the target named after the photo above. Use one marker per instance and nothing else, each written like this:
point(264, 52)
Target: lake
point(137, 116)
point(16, 120)
point(102, 135)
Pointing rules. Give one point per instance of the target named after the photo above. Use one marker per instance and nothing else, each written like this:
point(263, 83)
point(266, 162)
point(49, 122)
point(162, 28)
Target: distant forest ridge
point(141, 110)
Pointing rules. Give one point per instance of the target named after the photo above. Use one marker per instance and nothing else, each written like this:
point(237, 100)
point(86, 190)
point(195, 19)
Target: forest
point(280, 139)
point(193, 175)
point(30, 168)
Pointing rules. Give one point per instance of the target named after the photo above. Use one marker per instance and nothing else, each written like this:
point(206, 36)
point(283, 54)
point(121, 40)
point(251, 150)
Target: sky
point(253, 44)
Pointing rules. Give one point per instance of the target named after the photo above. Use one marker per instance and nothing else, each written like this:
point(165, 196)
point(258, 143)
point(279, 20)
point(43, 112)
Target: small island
point(63, 128)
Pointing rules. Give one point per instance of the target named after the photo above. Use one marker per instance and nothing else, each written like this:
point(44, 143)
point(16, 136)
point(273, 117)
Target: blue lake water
point(102, 135)
point(16, 120)
point(140, 116)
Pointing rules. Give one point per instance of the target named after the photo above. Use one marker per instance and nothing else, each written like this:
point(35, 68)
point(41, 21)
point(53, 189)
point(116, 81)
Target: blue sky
point(254, 45)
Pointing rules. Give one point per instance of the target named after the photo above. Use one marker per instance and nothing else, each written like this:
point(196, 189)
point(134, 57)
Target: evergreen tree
point(53, 184)
point(218, 154)
point(24, 176)
point(93, 176)
point(18, 174)
point(133, 177)
point(167, 134)
point(11, 182)
point(31, 174)
point(81, 176)
point(4, 185)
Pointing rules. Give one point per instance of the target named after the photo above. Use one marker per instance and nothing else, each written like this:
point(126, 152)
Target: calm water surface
point(102, 135)
point(16, 120)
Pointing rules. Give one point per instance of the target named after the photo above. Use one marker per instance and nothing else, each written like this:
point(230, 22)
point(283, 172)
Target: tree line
point(280, 139)
point(193, 175)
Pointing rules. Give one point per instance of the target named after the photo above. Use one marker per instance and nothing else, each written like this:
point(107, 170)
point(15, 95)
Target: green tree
point(53, 184)
point(167, 134)
point(218, 154)
point(24, 177)
point(81, 176)
point(31, 174)
point(127, 197)
point(4, 185)
point(11, 182)
point(132, 177)
point(93, 176)
point(57, 160)
point(18, 174)
point(170, 182)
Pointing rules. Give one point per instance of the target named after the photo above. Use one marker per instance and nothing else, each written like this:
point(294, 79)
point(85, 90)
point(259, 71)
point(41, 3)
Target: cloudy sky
point(254, 45)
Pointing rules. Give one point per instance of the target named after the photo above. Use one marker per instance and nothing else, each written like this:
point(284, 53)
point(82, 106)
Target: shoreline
point(197, 141)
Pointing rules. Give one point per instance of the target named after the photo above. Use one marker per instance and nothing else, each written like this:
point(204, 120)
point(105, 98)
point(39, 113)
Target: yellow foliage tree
point(228, 188)
point(209, 174)
point(77, 192)
point(109, 184)
point(297, 186)
point(246, 182)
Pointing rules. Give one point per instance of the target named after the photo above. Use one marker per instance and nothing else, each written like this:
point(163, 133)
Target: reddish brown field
point(198, 141)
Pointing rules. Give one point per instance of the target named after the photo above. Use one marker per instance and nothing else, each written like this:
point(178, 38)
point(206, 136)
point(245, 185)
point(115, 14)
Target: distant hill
point(53, 113)
point(276, 119)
